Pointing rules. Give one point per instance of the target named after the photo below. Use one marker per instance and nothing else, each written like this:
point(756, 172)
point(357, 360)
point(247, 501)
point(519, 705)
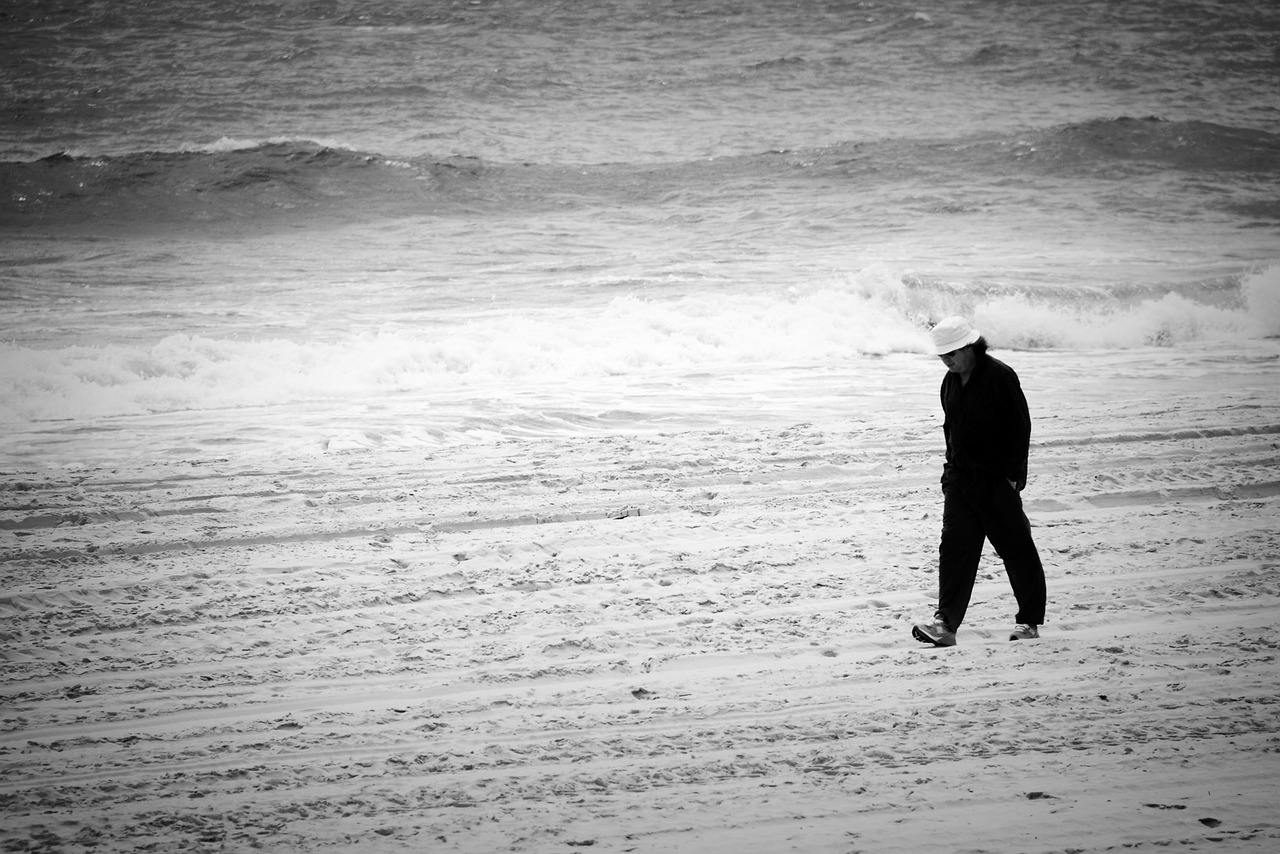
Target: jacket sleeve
point(946, 427)
point(1018, 446)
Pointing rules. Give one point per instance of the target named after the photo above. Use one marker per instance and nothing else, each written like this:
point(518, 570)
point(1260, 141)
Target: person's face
point(960, 361)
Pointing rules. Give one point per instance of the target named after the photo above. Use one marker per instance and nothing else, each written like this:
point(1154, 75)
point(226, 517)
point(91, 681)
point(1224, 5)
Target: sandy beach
point(513, 426)
point(688, 641)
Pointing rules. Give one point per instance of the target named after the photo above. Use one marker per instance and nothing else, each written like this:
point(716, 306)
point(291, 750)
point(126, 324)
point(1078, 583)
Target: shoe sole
point(923, 638)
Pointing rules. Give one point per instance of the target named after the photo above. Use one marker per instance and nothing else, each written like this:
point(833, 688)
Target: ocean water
point(329, 225)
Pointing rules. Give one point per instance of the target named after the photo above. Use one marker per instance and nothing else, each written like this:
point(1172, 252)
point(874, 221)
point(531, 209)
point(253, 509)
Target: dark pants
point(973, 512)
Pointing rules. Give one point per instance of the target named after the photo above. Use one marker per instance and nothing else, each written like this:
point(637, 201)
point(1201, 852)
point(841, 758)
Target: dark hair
point(979, 346)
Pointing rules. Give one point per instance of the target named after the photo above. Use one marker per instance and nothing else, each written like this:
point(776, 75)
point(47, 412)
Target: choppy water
point(493, 218)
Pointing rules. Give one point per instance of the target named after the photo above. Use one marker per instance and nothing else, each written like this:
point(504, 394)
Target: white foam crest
point(627, 337)
point(1020, 320)
point(228, 144)
point(871, 313)
point(633, 335)
point(179, 372)
point(1262, 295)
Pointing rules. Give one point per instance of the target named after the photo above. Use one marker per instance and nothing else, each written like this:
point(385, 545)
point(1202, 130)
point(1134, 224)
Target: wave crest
point(873, 313)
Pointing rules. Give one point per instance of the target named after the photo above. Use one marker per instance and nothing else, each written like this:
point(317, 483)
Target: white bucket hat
point(952, 334)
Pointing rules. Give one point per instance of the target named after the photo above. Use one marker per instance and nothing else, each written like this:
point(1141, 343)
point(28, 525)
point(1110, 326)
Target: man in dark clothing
point(988, 434)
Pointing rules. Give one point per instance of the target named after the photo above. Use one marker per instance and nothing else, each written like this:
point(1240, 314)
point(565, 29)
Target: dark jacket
point(987, 426)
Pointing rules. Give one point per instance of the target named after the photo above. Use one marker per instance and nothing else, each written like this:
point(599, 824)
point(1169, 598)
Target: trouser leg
point(958, 555)
point(1009, 531)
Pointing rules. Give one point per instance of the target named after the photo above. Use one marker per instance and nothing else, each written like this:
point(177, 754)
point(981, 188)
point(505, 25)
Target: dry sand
point(686, 642)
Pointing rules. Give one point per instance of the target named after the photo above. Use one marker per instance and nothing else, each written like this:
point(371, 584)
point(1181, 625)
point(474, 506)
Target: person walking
point(987, 428)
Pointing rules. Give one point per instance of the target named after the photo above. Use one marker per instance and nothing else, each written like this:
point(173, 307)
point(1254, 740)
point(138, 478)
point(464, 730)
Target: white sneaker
point(935, 633)
point(1024, 631)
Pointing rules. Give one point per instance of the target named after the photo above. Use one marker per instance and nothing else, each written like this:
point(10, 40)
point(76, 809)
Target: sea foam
point(872, 314)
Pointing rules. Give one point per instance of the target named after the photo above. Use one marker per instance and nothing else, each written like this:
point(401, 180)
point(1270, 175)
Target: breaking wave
point(850, 322)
